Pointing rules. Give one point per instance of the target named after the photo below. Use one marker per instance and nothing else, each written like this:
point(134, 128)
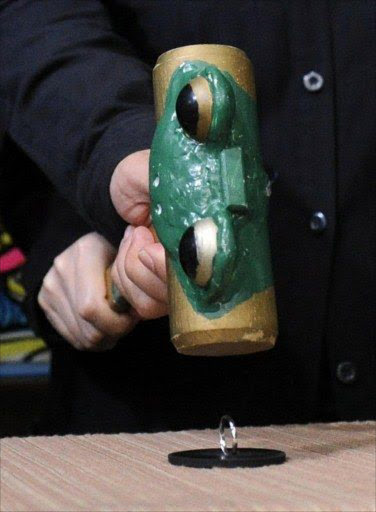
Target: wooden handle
point(114, 298)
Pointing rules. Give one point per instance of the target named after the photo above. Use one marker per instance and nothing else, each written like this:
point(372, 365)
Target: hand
point(73, 296)
point(129, 189)
point(139, 270)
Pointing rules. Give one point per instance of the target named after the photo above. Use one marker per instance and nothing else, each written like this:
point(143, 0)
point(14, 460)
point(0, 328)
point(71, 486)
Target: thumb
point(129, 188)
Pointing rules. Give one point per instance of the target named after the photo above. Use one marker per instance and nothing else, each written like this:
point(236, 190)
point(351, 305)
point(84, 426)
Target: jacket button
point(313, 81)
point(318, 222)
point(346, 372)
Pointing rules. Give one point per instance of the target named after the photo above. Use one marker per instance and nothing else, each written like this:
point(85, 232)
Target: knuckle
point(85, 242)
point(41, 301)
point(59, 263)
point(48, 282)
point(81, 245)
point(87, 310)
point(94, 338)
point(118, 331)
point(145, 309)
point(78, 346)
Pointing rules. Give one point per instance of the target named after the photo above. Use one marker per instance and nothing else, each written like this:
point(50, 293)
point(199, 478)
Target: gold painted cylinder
point(252, 325)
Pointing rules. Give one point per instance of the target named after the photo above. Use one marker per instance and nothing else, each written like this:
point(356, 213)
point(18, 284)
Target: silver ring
point(227, 420)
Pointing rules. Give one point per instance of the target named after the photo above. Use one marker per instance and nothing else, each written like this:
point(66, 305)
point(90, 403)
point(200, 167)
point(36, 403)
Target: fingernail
point(147, 260)
point(128, 232)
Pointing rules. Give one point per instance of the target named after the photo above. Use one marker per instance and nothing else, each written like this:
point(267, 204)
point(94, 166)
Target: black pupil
point(187, 110)
point(188, 253)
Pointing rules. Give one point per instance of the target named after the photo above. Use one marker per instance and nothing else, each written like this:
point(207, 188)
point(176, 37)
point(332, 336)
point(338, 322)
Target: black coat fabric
point(76, 98)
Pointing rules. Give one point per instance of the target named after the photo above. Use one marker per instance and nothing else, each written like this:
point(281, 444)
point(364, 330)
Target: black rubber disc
point(244, 458)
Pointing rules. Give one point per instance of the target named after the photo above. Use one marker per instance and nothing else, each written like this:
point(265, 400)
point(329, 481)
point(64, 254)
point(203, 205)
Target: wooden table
point(329, 467)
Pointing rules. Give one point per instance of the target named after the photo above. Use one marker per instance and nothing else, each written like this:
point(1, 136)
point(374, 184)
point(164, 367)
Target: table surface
point(329, 467)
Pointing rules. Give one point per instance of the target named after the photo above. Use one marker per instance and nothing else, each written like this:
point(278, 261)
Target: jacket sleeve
point(77, 97)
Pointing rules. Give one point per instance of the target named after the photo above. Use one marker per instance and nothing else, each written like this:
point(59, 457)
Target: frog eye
point(197, 249)
point(194, 108)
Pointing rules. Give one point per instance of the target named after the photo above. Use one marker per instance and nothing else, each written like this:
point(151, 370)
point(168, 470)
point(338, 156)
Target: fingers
point(58, 310)
point(139, 270)
point(73, 296)
point(153, 257)
point(55, 319)
point(145, 277)
point(141, 285)
point(90, 290)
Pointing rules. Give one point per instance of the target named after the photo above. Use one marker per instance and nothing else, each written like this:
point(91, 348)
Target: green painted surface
point(233, 180)
point(190, 181)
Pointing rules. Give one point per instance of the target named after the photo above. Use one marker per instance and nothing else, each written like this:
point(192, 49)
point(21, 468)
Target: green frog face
point(209, 191)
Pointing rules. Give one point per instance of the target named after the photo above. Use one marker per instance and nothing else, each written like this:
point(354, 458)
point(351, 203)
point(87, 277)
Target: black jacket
point(76, 97)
